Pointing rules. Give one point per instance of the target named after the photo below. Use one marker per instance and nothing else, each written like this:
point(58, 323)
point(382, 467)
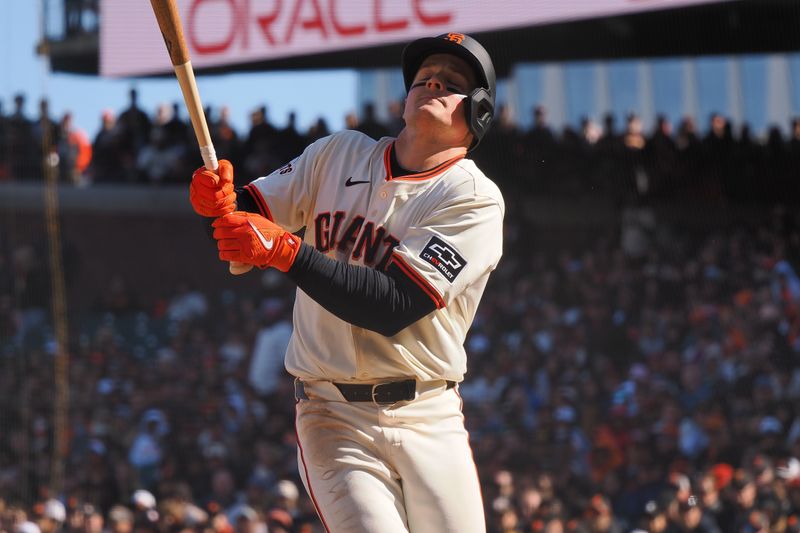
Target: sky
point(22, 71)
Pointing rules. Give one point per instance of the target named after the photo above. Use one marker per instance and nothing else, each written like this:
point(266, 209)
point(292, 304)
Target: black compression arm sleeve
point(245, 201)
point(384, 302)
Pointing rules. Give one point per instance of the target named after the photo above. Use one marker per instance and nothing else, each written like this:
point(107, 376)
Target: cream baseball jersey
point(442, 228)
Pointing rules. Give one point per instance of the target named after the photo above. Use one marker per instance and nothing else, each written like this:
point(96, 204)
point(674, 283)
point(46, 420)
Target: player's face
point(437, 95)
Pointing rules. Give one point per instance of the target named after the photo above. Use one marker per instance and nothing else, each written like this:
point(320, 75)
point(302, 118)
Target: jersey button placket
point(383, 195)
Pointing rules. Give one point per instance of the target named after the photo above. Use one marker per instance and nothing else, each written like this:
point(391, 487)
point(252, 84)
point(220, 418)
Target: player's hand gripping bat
point(169, 22)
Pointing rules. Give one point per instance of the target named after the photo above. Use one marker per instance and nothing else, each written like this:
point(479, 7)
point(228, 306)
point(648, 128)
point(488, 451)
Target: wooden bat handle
point(185, 75)
point(169, 21)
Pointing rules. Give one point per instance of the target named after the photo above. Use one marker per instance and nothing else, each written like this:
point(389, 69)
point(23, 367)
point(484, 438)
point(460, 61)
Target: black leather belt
point(380, 393)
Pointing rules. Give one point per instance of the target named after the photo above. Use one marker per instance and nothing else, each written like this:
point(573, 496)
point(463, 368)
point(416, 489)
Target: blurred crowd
point(629, 164)
point(622, 162)
point(615, 384)
point(29, 148)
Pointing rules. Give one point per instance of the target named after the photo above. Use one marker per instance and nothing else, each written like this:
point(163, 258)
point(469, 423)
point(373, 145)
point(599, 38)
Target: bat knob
point(237, 269)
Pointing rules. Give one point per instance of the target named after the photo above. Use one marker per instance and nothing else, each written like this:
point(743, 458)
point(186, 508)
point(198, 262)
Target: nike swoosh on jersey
point(266, 243)
point(350, 182)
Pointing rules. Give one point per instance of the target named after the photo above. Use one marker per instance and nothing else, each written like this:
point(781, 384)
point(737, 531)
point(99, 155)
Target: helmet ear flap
point(479, 111)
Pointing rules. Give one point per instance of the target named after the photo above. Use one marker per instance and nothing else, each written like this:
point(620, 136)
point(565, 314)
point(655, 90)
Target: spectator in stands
point(226, 140)
point(747, 166)
point(502, 149)
point(776, 151)
point(120, 520)
point(717, 152)
point(290, 142)
point(135, 126)
point(609, 140)
point(260, 152)
point(26, 527)
point(687, 137)
point(266, 363)
point(540, 135)
point(395, 124)
point(161, 161)
point(93, 521)
point(74, 152)
point(540, 146)
point(21, 149)
point(369, 124)
point(53, 516)
point(13, 518)
point(146, 453)
point(633, 138)
point(261, 130)
point(245, 519)
point(46, 135)
point(610, 160)
point(187, 304)
point(177, 130)
point(318, 130)
point(662, 164)
point(687, 141)
point(351, 121)
point(145, 513)
point(29, 288)
point(107, 151)
point(637, 180)
point(590, 131)
point(600, 516)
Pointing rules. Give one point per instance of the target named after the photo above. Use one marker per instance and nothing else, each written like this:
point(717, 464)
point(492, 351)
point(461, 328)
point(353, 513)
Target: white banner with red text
point(230, 32)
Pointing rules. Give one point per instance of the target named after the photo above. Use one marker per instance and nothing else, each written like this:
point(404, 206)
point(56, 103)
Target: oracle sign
point(227, 32)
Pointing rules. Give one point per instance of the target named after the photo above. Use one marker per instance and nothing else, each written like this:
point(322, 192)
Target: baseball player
point(401, 235)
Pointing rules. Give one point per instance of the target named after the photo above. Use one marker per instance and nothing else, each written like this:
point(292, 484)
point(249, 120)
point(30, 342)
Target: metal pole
point(58, 301)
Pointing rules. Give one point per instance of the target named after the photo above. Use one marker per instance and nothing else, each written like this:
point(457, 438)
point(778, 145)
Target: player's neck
point(418, 154)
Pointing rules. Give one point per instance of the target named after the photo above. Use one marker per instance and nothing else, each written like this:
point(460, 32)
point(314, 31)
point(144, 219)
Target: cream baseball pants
point(400, 468)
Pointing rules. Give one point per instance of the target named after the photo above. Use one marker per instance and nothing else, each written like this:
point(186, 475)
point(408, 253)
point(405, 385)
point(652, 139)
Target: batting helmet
point(480, 102)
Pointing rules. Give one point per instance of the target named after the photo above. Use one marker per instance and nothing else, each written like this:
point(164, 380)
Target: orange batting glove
point(252, 239)
point(211, 193)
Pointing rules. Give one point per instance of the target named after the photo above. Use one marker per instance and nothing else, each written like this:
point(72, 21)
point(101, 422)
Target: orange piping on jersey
point(262, 205)
point(415, 276)
point(418, 176)
point(308, 478)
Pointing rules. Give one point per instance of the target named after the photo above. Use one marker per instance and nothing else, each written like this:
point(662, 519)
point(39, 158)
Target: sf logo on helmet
point(457, 38)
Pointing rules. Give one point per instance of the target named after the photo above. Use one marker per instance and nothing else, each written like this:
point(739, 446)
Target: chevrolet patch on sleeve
point(444, 257)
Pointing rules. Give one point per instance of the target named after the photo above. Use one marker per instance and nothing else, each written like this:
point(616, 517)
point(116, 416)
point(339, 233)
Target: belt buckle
point(375, 391)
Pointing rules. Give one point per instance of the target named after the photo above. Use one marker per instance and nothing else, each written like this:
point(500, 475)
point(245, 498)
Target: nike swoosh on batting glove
point(211, 193)
point(252, 239)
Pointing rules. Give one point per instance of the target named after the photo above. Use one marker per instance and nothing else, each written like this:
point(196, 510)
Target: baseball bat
point(169, 22)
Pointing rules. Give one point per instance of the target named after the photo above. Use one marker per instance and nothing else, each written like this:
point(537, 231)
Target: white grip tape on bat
point(209, 157)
